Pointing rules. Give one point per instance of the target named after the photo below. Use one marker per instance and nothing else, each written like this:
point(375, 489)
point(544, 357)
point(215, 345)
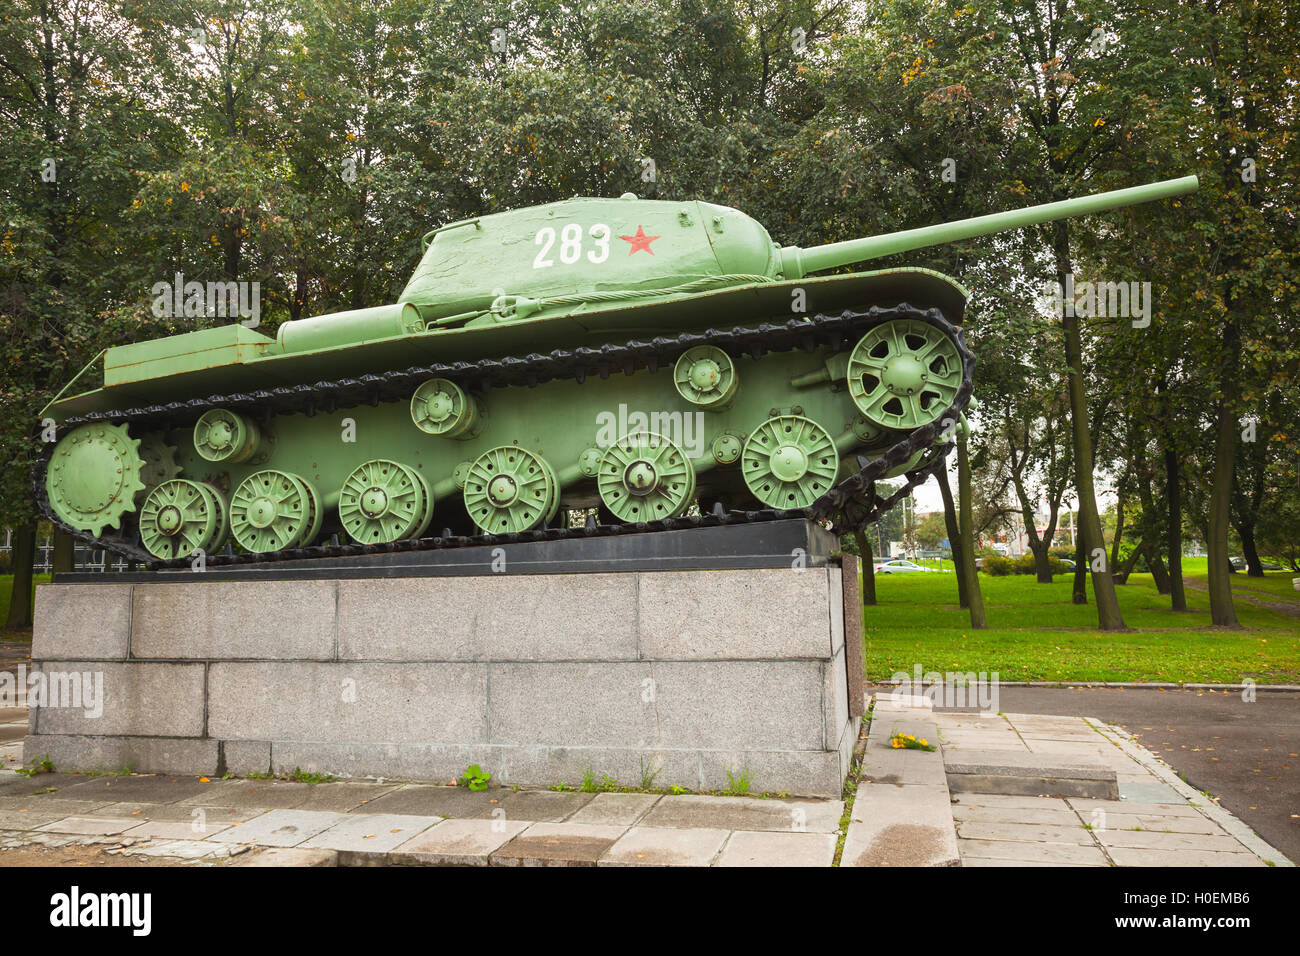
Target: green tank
point(664, 363)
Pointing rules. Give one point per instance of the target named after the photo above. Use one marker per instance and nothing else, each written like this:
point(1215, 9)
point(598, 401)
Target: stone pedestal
point(674, 677)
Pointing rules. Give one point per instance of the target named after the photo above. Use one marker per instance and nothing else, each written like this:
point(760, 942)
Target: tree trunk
point(1079, 594)
point(1122, 571)
point(1119, 527)
point(20, 597)
point(1042, 563)
point(1173, 494)
point(954, 535)
point(868, 568)
point(1222, 612)
point(1158, 574)
point(967, 537)
point(1103, 587)
point(1254, 567)
point(61, 556)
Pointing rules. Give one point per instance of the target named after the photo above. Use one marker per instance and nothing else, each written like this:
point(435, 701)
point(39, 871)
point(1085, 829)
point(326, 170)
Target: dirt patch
point(902, 844)
point(74, 856)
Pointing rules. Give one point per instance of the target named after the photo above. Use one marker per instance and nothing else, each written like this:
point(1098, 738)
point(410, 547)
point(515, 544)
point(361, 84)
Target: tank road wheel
point(644, 477)
point(180, 517)
point(226, 436)
point(789, 462)
point(383, 501)
point(904, 374)
point(441, 407)
point(273, 510)
point(706, 376)
point(93, 477)
point(509, 489)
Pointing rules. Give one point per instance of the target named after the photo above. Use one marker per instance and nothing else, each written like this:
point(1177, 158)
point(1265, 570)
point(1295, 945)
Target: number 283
point(571, 237)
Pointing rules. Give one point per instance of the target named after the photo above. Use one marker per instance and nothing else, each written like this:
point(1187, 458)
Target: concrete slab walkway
point(903, 813)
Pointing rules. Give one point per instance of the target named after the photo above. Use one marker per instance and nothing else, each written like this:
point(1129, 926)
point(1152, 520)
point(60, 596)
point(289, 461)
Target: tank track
point(850, 505)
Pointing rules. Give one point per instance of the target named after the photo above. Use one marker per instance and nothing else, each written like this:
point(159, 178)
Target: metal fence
point(84, 557)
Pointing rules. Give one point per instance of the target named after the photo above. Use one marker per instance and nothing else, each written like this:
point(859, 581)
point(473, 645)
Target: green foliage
point(997, 566)
point(309, 776)
point(475, 778)
point(36, 765)
point(739, 782)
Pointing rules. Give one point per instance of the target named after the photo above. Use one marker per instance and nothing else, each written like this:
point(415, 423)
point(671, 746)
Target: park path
point(1238, 594)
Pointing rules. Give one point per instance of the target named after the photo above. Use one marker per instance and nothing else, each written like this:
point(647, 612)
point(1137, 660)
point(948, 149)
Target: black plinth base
point(766, 544)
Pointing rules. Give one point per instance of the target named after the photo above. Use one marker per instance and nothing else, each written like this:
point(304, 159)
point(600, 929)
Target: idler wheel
point(789, 462)
point(904, 374)
point(645, 477)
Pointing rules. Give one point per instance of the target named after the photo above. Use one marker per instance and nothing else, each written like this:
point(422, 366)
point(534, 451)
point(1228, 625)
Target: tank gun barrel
point(797, 262)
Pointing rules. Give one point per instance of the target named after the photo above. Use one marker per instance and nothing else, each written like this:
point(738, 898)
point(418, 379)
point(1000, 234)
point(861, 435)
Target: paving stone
point(266, 794)
point(141, 788)
point(279, 856)
point(900, 826)
point(1065, 854)
point(622, 809)
point(370, 832)
point(883, 764)
point(1144, 856)
point(181, 813)
point(1182, 808)
point(1026, 832)
point(280, 828)
point(178, 850)
point(49, 803)
point(558, 844)
point(457, 843)
point(665, 846)
point(89, 826)
point(745, 813)
point(963, 812)
point(1007, 801)
point(1174, 823)
point(979, 861)
point(1149, 792)
point(1153, 840)
point(770, 848)
point(18, 785)
point(345, 797)
point(1029, 773)
point(544, 806)
point(175, 830)
point(17, 820)
point(433, 801)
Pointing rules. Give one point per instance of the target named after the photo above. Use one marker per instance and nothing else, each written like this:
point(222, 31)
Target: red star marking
point(640, 241)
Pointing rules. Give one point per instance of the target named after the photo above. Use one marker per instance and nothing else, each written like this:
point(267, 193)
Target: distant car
point(1239, 564)
point(899, 566)
point(1067, 564)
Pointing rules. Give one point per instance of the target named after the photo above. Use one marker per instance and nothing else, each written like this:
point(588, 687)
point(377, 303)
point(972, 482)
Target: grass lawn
point(1035, 633)
point(6, 586)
